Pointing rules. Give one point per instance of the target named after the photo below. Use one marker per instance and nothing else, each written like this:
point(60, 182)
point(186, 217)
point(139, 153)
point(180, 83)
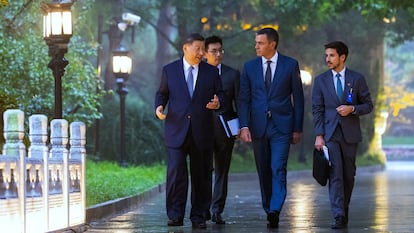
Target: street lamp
point(57, 31)
point(121, 68)
point(306, 78)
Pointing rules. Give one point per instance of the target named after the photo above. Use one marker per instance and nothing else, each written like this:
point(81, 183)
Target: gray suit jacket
point(325, 102)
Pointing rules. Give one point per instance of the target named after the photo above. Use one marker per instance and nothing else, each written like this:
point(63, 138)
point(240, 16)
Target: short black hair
point(272, 34)
point(212, 40)
point(339, 46)
point(190, 38)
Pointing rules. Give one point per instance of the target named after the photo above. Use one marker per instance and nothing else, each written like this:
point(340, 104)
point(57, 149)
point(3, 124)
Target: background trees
point(304, 27)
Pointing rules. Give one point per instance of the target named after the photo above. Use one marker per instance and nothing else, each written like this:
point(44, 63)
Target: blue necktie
point(190, 81)
point(339, 89)
point(268, 75)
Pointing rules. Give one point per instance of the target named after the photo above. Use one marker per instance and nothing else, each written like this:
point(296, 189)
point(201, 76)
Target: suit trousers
point(223, 148)
point(342, 173)
point(177, 181)
point(271, 155)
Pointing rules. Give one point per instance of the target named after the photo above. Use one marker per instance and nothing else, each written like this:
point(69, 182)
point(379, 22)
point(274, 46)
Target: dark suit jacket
point(230, 79)
point(325, 102)
point(254, 101)
point(183, 110)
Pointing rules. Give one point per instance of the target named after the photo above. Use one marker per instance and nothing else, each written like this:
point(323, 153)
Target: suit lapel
point(348, 83)
point(329, 85)
point(278, 72)
point(181, 78)
point(200, 78)
point(260, 72)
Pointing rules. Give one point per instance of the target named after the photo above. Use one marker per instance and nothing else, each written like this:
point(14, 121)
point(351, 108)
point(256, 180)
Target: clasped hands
point(213, 104)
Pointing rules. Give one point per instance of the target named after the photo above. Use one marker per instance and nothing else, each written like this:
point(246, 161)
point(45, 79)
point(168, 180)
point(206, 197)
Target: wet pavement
point(382, 201)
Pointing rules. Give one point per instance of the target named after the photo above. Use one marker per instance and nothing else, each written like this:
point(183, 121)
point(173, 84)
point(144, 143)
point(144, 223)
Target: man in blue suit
point(270, 108)
point(192, 89)
point(339, 97)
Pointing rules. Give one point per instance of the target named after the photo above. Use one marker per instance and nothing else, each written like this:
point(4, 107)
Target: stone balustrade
point(42, 188)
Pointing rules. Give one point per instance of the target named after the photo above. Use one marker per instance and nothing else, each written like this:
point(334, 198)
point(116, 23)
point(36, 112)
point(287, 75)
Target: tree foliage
point(28, 83)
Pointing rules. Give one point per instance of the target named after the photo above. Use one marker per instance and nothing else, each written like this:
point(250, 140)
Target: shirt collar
point(273, 59)
point(342, 72)
point(187, 65)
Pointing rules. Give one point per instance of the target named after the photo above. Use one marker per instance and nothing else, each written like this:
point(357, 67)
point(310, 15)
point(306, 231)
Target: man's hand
point(345, 110)
point(319, 142)
point(245, 135)
point(296, 137)
point(214, 103)
point(159, 112)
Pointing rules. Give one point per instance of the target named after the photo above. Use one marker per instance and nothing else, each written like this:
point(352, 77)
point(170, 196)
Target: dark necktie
point(190, 81)
point(268, 75)
point(339, 89)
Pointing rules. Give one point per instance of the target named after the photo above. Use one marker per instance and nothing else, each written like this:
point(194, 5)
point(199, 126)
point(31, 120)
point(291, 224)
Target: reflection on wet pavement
point(382, 202)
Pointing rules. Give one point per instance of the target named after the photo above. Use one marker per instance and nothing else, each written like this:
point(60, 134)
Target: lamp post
point(57, 31)
point(121, 68)
point(306, 78)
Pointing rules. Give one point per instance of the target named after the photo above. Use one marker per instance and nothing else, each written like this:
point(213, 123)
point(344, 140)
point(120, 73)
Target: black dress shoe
point(339, 223)
point(273, 218)
point(200, 225)
point(218, 219)
point(175, 222)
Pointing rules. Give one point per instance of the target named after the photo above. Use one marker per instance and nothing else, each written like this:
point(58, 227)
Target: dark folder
point(320, 167)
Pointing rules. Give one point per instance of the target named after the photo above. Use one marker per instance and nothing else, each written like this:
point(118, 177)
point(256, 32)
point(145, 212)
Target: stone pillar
point(38, 136)
point(58, 172)
point(77, 140)
point(14, 133)
point(38, 151)
point(77, 154)
point(36, 170)
point(14, 168)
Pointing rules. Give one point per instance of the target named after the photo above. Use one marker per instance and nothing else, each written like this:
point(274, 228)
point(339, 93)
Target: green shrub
point(143, 133)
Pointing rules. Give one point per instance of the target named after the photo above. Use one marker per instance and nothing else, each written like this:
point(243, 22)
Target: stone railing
point(43, 191)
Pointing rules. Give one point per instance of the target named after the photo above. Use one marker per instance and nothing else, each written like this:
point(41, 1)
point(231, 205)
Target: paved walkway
point(383, 201)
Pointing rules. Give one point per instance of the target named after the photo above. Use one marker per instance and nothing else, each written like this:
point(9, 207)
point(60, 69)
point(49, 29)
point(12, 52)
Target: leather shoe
point(175, 222)
point(273, 218)
point(200, 225)
point(217, 219)
point(339, 223)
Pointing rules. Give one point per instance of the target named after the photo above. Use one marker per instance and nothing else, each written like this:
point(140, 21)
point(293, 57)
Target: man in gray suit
point(339, 97)
point(223, 143)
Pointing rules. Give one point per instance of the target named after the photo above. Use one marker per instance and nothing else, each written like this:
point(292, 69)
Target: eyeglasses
point(216, 51)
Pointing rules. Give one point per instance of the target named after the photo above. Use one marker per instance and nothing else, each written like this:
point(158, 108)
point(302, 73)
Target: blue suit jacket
point(284, 100)
point(325, 101)
point(186, 113)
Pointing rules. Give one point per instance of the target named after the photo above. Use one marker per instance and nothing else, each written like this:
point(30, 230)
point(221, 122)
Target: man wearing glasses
point(223, 142)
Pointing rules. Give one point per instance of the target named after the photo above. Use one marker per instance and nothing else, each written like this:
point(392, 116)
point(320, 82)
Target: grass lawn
point(107, 181)
point(390, 140)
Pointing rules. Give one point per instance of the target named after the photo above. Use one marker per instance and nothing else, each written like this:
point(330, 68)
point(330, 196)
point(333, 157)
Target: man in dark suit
point(223, 144)
point(339, 97)
point(192, 89)
point(270, 108)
